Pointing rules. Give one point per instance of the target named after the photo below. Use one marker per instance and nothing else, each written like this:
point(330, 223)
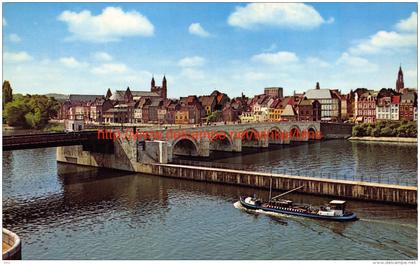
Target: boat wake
point(389, 223)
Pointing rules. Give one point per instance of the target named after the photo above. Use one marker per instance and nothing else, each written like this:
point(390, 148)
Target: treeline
point(27, 111)
point(387, 129)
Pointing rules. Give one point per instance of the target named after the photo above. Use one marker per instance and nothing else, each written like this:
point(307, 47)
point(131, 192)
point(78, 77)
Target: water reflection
point(64, 211)
point(394, 163)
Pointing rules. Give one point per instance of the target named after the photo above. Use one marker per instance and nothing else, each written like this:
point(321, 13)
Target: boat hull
point(345, 218)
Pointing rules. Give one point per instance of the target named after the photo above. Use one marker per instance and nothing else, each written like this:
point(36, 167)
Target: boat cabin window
point(337, 205)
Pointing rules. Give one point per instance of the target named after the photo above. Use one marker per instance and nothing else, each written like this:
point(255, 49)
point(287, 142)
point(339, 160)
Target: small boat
point(334, 211)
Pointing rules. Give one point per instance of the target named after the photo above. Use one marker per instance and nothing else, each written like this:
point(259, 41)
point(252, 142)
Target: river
point(63, 211)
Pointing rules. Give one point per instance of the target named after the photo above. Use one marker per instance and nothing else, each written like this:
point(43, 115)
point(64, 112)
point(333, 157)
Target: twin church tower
point(161, 90)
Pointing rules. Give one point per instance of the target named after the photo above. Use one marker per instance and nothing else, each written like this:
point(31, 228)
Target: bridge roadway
point(43, 140)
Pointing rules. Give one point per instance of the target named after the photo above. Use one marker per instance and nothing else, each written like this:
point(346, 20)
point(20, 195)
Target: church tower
point(400, 81)
point(152, 84)
point(160, 90)
point(163, 93)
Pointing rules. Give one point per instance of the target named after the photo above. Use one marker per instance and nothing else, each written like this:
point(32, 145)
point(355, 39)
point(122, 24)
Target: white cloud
point(110, 68)
point(71, 62)
point(282, 15)
point(192, 73)
point(111, 25)
point(194, 61)
point(355, 63)
point(16, 57)
point(276, 58)
point(385, 40)
point(102, 56)
point(4, 22)
point(314, 61)
point(409, 24)
point(14, 38)
point(197, 29)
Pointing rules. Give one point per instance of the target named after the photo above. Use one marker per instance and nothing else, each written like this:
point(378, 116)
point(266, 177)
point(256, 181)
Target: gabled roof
point(118, 95)
point(408, 97)
point(208, 100)
point(306, 102)
point(318, 94)
point(288, 111)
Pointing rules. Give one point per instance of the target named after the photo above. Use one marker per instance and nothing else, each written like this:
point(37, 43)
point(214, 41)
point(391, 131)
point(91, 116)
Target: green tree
point(31, 111)
point(376, 132)
point(387, 132)
point(7, 93)
point(14, 113)
point(214, 116)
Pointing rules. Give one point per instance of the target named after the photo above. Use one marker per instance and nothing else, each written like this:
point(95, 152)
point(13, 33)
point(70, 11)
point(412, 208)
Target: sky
point(86, 48)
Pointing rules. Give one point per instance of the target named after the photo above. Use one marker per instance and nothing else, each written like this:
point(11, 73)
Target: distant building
point(309, 110)
point(289, 113)
point(274, 91)
point(395, 108)
point(383, 108)
point(330, 103)
point(366, 107)
point(162, 91)
point(209, 103)
point(408, 104)
point(400, 81)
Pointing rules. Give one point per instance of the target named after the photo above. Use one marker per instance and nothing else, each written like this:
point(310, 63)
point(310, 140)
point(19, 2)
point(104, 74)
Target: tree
point(7, 93)
point(14, 113)
point(31, 111)
point(387, 132)
point(214, 117)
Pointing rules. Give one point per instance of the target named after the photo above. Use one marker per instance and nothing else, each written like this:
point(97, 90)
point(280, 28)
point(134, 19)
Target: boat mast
point(287, 192)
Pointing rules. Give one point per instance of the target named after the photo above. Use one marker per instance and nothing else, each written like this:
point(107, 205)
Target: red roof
point(395, 99)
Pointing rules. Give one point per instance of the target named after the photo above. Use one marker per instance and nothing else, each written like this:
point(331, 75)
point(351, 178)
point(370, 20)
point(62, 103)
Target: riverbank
point(384, 139)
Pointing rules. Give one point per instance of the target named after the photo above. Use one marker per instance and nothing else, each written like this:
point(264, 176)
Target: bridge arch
point(275, 135)
point(221, 141)
point(250, 138)
point(185, 146)
point(313, 133)
point(295, 133)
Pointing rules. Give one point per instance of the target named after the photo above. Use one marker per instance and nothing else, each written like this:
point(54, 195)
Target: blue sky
point(232, 47)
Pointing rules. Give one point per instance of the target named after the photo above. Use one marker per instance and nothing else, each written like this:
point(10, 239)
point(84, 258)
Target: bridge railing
point(394, 180)
point(44, 138)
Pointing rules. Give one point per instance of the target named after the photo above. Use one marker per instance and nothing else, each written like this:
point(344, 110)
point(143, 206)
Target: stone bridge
point(199, 141)
point(117, 148)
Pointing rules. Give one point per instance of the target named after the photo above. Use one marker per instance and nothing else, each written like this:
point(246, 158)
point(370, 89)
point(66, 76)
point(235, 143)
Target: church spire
point(400, 80)
point(152, 84)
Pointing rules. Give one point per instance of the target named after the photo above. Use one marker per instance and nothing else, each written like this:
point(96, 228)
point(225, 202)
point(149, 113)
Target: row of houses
point(318, 104)
point(330, 105)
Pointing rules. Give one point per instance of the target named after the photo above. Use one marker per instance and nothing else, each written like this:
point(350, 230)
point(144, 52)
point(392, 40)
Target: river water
point(65, 211)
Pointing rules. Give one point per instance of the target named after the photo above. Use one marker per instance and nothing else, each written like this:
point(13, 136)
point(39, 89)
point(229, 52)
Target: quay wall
point(367, 191)
point(384, 139)
point(336, 130)
point(125, 158)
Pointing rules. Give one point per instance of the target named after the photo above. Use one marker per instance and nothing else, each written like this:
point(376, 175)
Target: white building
point(383, 108)
point(330, 103)
point(395, 108)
